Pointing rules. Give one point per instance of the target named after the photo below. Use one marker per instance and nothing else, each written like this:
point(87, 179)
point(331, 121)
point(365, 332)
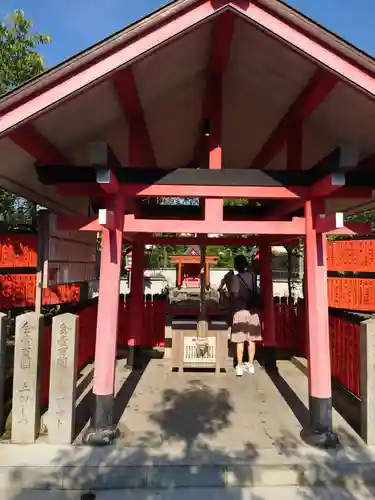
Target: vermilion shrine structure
point(210, 99)
point(188, 267)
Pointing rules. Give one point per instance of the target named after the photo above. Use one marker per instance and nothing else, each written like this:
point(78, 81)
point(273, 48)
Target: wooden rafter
point(222, 34)
point(140, 145)
point(318, 88)
point(28, 138)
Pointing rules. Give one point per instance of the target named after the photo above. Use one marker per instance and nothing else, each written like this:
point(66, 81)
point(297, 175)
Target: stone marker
point(26, 378)
point(63, 379)
point(3, 336)
point(367, 377)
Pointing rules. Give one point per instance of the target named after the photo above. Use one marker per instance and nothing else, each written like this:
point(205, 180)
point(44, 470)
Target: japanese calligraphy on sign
point(26, 345)
point(24, 399)
point(62, 346)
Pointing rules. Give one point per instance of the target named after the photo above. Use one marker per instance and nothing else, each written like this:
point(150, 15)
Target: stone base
point(100, 437)
point(321, 439)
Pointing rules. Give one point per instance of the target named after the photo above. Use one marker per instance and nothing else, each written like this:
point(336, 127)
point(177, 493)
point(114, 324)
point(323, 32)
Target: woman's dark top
point(242, 287)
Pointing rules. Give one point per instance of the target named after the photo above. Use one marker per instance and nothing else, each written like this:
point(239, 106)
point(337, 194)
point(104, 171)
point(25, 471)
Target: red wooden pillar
point(136, 303)
point(268, 310)
point(102, 430)
point(179, 274)
point(319, 372)
point(207, 274)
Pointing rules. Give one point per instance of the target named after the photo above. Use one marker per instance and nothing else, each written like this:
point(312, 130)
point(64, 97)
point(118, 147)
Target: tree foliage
point(19, 61)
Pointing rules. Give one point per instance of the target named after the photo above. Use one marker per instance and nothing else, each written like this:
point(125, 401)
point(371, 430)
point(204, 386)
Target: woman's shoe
point(250, 368)
point(239, 371)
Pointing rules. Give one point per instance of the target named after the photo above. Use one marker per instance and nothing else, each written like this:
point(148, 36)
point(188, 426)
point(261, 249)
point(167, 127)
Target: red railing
point(344, 341)
point(345, 352)
point(285, 324)
point(290, 334)
point(153, 324)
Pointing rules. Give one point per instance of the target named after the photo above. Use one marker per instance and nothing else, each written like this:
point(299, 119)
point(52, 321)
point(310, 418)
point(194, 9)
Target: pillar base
point(134, 357)
point(321, 433)
point(321, 439)
point(270, 360)
point(102, 432)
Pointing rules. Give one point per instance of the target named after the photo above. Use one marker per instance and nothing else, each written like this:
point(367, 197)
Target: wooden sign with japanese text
point(356, 293)
point(351, 256)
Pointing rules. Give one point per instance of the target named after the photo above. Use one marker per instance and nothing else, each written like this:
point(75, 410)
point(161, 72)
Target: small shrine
point(189, 267)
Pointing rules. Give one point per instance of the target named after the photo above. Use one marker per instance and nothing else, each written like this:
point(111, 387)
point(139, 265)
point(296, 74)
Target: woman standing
point(245, 314)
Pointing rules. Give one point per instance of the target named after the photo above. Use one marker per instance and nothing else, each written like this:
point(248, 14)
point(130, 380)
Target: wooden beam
point(107, 181)
point(67, 223)
point(221, 38)
point(331, 222)
point(106, 219)
point(100, 156)
point(353, 229)
point(338, 162)
point(179, 176)
point(327, 185)
point(186, 240)
point(294, 146)
point(150, 226)
point(131, 224)
point(318, 88)
point(255, 192)
point(141, 150)
point(28, 138)
point(222, 34)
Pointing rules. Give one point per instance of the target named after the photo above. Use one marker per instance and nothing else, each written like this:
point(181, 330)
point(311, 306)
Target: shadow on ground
point(188, 417)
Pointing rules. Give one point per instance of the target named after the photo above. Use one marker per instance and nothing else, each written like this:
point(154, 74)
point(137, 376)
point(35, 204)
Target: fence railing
point(345, 352)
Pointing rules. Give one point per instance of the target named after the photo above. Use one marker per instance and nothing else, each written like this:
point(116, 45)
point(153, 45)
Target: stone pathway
point(222, 413)
point(194, 430)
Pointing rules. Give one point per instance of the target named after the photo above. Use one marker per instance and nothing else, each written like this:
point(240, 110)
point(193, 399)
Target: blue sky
point(76, 24)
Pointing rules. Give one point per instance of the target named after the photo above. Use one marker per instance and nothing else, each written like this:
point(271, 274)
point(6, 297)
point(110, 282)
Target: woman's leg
point(252, 347)
point(240, 349)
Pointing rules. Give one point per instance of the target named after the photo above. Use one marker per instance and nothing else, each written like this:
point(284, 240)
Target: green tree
point(19, 62)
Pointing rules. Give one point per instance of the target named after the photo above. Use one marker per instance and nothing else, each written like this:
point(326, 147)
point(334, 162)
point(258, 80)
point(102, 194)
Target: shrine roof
point(281, 68)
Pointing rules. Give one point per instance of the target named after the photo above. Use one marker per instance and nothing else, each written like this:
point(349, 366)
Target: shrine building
point(209, 99)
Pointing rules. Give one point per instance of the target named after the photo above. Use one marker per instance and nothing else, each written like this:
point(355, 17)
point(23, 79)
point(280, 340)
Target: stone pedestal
point(26, 379)
point(63, 379)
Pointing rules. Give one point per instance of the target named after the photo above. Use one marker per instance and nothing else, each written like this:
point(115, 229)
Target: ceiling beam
point(28, 138)
point(332, 176)
point(140, 146)
point(318, 88)
point(221, 38)
point(296, 226)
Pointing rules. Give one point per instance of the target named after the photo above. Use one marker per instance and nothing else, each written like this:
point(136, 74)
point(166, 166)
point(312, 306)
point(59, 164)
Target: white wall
point(156, 280)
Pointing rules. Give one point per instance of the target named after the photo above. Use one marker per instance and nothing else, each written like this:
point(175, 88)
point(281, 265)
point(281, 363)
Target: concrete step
point(51, 467)
point(256, 493)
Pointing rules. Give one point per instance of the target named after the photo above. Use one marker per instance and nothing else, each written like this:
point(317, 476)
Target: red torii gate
point(117, 192)
point(312, 226)
point(191, 263)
